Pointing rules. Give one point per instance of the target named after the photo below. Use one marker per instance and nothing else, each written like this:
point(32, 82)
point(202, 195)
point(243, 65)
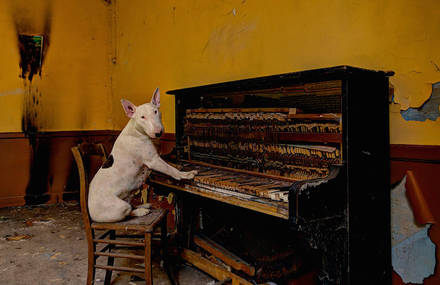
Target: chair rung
point(119, 242)
point(119, 255)
point(117, 268)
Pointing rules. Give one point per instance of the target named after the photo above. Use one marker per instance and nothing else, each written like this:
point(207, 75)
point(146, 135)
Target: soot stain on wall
point(33, 42)
point(38, 186)
point(29, 120)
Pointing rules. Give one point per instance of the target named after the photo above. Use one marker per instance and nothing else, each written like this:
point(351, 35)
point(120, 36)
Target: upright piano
point(308, 149)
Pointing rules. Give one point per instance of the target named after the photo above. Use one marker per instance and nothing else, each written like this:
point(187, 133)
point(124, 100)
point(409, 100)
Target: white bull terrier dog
point(129, 164)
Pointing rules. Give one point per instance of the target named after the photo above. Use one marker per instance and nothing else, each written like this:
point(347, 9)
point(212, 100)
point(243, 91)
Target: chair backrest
point(89, 157)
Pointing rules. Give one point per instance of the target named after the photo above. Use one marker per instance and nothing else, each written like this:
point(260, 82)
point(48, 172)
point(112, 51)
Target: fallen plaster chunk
point(413, 252)
point(428, 110)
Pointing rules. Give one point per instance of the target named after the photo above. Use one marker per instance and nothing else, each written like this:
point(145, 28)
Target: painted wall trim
point(415, 153)
point(40, 169)
point(21, 135)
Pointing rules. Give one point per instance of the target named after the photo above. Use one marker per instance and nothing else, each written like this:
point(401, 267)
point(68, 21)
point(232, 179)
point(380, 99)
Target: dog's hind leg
point(112, 210)
point(121, 210)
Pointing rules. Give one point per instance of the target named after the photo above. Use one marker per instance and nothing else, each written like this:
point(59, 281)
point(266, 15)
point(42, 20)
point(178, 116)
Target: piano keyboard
point(239, 184)
point(255, 191)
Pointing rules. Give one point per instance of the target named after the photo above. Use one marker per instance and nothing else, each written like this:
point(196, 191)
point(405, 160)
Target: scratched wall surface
point(72, 90)
point(175, 44)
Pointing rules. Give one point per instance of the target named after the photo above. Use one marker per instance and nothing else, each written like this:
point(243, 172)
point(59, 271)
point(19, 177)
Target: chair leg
point(91, 262)
point(110, 260)
point(148, 271)
point(164, 243)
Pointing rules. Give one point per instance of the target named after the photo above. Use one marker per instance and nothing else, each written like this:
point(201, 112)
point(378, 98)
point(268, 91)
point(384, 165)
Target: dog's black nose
point(159, 134)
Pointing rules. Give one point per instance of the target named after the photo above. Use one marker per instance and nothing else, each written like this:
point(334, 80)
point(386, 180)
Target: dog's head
point(147, 117)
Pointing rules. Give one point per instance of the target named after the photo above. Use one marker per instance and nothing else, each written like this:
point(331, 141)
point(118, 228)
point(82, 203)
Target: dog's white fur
point(134, 155)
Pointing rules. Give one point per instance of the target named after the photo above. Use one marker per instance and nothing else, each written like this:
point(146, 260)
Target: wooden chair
point(89, 158)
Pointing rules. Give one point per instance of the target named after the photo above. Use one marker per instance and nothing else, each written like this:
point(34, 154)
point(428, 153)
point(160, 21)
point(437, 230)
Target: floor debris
point(47, 245)
point(17, 237)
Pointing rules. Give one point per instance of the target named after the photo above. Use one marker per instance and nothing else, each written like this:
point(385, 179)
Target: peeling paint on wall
point(428, 110)
point(413, 252)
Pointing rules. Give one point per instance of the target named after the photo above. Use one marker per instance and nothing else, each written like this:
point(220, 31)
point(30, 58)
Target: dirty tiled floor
point(46, 245)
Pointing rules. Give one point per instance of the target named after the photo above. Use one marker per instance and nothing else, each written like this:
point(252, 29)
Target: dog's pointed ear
point(155, 100)
point(129, 107)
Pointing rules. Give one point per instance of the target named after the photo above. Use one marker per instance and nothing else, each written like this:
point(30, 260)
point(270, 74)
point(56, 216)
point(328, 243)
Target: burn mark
point(30, 119)
point(31, 55)
point(39, 180)
point(109, 162)
point(38, 186)
point(33, 41)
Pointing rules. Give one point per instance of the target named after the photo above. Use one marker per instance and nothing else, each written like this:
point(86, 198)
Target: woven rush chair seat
point(144, 223)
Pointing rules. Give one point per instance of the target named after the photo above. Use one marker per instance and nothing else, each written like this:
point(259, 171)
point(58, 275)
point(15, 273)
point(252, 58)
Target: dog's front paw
point(140, 212)
point(189, 174)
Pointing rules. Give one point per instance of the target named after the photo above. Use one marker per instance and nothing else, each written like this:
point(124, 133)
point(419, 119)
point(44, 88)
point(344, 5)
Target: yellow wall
point(74, 90)
point(176, 44)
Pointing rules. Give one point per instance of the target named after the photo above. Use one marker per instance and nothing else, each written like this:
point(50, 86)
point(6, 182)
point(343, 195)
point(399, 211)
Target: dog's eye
point(155, 111)
point(143, 117)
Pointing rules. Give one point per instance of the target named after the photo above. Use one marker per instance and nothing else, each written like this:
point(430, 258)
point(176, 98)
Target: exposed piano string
point(270, 150)
point(249, 138)
point(230, 124)
point(296, 161)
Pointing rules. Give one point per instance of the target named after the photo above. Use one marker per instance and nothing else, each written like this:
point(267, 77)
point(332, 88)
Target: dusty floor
point(46, 245)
